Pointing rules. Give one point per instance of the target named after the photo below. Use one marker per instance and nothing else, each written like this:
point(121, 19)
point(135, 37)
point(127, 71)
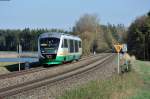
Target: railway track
point(84, 67)
point(40, 68)
point(30, 75)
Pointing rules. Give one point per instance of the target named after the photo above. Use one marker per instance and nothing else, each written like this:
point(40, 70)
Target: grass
point(132, 85)
point(143, 68)
point(6, 67)
point(3, 67)
point(7, 63)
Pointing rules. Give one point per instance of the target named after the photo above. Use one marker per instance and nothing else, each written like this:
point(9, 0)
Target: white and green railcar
point(57, 48)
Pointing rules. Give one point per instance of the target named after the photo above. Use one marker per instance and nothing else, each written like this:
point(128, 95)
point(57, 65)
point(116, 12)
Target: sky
point(62, 14)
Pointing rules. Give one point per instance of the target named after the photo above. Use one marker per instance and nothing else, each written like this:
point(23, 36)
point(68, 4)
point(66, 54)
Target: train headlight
point(49, 56)
point(55, 51)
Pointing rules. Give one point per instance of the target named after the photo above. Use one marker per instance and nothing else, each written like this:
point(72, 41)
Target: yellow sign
point(118, 47)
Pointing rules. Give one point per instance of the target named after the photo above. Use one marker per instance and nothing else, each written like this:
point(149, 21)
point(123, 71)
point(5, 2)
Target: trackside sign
point(118, 47)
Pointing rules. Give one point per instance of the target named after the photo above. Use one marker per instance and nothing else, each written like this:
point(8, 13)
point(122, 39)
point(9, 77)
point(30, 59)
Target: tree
point(121, 33)
point(88, 28)
point(148, 13)
point(139, 37)
point(86, 23)
point(107, 35)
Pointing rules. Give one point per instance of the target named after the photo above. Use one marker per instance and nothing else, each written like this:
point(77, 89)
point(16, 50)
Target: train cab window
point(76, 46)
point(79, 44)
point(49, 42)
point(49, 45)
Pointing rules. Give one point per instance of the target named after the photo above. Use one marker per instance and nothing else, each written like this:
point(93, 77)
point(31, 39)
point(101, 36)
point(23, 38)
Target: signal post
point(118, 48)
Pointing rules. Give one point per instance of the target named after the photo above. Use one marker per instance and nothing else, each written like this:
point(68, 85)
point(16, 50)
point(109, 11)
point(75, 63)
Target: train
point(58, 48)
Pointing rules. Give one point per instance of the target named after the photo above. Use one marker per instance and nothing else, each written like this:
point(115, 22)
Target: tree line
point(95, 36)
point(28, 38)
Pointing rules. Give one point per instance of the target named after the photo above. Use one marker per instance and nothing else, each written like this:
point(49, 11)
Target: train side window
point(71, 47)
point(79, 44)
point(65, 43)
point(76, 46)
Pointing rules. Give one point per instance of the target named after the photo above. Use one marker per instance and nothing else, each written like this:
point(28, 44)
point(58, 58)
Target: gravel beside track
point(50, 91)
point(22, 72)
point(35, 74)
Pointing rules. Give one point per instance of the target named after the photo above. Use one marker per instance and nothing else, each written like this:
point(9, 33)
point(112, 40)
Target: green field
point(132, 85)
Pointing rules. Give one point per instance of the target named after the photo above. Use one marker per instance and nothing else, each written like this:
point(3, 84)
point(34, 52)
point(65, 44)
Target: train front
point(48, 47)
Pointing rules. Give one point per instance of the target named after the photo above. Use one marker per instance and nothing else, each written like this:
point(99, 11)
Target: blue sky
point(18, 14)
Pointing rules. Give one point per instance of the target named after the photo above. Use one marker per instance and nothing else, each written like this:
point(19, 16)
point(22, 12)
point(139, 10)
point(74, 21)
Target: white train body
point(56, 48)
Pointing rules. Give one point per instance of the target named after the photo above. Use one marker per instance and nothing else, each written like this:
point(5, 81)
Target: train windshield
point(49, 45)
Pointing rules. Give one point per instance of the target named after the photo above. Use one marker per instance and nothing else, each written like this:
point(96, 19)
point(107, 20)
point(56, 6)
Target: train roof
point(56, 34)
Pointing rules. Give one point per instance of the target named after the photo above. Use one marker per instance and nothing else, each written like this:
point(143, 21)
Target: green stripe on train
point(60, 59)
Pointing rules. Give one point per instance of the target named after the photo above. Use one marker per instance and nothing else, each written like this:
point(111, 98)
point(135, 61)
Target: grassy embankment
point(132, 85)
point(6, 67)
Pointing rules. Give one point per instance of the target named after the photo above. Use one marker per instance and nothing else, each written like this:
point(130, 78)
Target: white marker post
point(118, 64)
point(118, 48)
point(19, 61)
point(19, 51)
